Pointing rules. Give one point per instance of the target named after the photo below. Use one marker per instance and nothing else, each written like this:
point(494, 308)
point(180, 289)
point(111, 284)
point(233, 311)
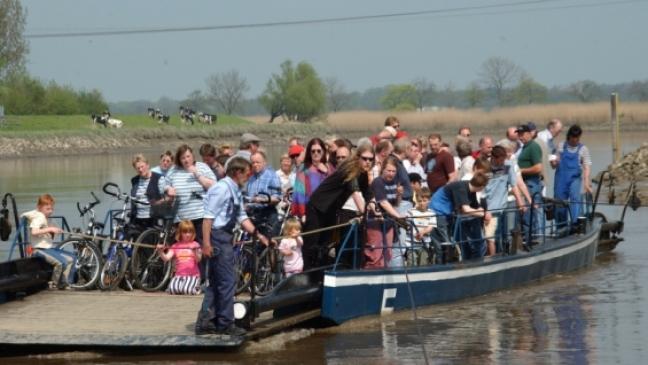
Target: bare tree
point(228, 90)
point(499, 74)
point(13, 47)
point(424, 92)
point(584, 90)
point(336, 94)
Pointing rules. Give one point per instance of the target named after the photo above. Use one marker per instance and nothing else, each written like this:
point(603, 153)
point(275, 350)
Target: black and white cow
point(163, 118)
point(207, 118)
point(151, 112)
point(187, 115)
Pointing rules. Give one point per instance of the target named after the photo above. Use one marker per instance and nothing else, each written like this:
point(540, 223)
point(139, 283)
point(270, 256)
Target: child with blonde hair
point(291, 247)
point(187, 254)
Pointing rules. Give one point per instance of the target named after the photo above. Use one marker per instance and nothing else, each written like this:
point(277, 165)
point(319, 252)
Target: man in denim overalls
point(572, 174)
point(223, 210)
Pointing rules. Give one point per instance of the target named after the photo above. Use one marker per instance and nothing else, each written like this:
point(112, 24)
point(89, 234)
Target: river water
point(597, 315)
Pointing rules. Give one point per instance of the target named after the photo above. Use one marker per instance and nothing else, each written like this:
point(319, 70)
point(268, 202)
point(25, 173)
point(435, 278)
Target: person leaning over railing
point(502, 178)
point(380, 233)
point(460, 198)
point(349, 180)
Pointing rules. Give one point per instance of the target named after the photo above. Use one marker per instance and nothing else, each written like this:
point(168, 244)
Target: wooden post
point(616, 137)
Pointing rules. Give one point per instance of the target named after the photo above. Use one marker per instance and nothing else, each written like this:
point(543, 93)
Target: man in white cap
point(249, 144)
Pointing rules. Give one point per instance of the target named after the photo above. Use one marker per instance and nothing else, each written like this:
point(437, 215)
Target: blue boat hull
point(355, 293)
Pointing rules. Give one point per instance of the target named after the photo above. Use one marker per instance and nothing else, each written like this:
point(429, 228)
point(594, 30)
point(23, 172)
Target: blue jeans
point(400, 245)
point(533, 224)
point(472, 240)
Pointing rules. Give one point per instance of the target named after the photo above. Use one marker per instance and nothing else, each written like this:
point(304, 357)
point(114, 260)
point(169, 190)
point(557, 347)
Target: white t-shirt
point(37, 220)
point(423, 220)
point(293, 263)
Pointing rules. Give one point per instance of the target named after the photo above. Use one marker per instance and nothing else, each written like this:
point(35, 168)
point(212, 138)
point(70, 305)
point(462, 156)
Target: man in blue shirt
point(460, 197)
point(223, 207)
point(263, 194)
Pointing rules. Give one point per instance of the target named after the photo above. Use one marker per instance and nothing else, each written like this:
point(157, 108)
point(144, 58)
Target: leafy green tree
point(474, 95)
point(400, 97)
point(529, 91)
point(60, 100)
point(297, 93)
point(13, 47)
point(21, 94)
point(91, 102)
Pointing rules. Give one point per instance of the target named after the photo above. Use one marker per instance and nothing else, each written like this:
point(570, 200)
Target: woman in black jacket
point(144, 188)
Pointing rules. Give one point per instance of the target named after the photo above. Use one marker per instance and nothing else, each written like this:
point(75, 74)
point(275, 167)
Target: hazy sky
point(582, 40)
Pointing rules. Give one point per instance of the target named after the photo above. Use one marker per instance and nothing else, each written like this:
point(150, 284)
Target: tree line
point(295, 93)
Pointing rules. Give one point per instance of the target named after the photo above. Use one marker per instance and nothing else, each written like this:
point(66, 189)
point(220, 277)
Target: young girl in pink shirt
point(291, 247)
point(187, 254)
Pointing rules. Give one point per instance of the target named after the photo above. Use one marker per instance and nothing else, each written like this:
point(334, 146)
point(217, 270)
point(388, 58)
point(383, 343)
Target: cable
point(322, 20)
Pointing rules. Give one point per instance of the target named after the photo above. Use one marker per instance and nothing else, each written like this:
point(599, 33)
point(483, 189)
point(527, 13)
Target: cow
point(98, 119)
point(187, 115)
point(151, 112)
point(163, 118)
point(207, 118)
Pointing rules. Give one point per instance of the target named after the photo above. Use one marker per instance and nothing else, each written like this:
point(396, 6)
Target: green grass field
point(80, 123)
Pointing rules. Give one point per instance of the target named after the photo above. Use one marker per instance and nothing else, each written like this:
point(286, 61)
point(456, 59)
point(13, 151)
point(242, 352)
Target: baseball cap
point(523, 128)
point(249, 138)
point(532, 126)
point(295, 150)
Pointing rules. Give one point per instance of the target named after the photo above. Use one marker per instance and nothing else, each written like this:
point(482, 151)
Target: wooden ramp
point(118, 320)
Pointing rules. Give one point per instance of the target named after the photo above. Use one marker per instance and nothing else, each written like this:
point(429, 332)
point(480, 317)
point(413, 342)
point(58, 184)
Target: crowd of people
point(390, 178)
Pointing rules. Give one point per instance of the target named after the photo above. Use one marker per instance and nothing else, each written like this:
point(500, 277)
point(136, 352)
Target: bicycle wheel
point(87, 262)
point(243, 260)
point(149, 271)
point(267, 273)
point(113, 269)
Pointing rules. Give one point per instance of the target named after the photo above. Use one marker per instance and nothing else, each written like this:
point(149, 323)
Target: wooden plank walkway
point(118, 319)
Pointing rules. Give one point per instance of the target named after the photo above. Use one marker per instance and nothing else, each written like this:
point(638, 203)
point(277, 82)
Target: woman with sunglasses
point(309, 176)
point(350, 180)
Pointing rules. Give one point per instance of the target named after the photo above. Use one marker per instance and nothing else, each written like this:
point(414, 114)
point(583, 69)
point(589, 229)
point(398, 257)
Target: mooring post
point(616, 138)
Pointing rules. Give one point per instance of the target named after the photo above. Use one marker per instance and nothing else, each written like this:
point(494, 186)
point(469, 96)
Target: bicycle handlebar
point(88, 207)
point(109, 192)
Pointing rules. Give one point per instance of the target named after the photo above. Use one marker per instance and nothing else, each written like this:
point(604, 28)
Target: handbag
point(164, 209)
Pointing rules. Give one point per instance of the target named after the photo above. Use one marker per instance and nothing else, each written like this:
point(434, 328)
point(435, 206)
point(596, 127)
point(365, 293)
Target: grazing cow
point(98, 119)
point(115, 123)
point(151, 112)
point(187, 115)
point(207, 118)
point(163, 118)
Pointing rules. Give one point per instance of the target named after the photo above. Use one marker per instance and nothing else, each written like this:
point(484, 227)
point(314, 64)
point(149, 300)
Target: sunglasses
point(317, 151)
point(368, 159)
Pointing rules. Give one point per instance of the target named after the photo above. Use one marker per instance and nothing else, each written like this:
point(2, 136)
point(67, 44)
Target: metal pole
point(616, 138)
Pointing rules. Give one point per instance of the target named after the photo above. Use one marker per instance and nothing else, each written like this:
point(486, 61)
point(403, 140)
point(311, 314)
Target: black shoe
point(233, 330)
point(206, 328)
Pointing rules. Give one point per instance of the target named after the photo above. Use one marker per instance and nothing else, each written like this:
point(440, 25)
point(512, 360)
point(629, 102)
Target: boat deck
point(118, 319)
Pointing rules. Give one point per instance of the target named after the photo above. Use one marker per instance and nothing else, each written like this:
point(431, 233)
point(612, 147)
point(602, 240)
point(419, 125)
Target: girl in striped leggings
point(187, 254)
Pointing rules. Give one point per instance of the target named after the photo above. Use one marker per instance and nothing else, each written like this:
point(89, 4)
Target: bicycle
point(269, 263)
point(118, 254)
point(88, 261)
point(148, 270)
